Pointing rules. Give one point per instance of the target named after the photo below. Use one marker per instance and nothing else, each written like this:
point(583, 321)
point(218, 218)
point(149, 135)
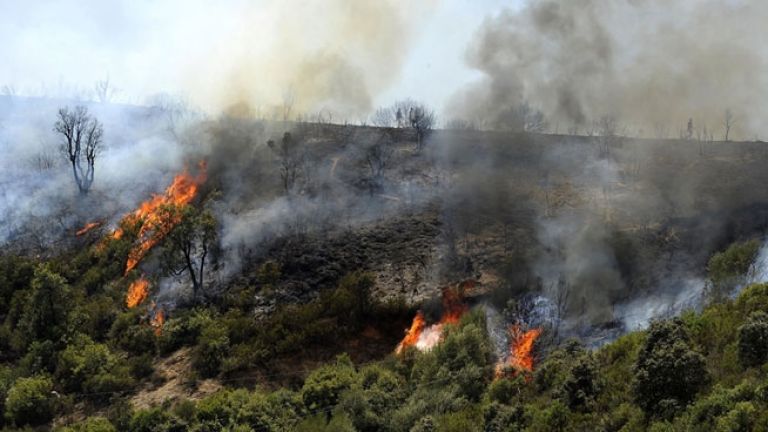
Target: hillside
point(480, 281)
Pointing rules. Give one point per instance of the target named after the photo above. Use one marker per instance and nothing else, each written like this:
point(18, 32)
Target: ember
point(88, 227)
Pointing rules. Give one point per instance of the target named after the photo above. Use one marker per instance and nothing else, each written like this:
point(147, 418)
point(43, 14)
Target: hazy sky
point(182, 46)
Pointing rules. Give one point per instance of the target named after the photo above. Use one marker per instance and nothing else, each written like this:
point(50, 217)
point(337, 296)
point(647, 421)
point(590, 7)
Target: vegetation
point(71, 349)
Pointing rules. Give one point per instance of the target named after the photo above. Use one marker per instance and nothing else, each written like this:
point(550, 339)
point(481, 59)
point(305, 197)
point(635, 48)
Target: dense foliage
point(72, 354)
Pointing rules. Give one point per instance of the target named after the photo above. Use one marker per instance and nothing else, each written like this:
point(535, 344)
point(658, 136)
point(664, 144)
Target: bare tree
point(422, 120)
point(608, 128)
point(379, 155)
point(728, 122)
point(82, 143)
point(104, 90)
point(291, 156)
point(460, 124)
point(384, 117)
point(9, 90)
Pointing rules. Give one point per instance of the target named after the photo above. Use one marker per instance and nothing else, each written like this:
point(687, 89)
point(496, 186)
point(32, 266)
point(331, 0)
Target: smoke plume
point(652, 64)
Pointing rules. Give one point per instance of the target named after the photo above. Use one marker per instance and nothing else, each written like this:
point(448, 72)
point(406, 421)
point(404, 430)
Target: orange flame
point(521, 347)
point(89, 226)
point(153, 228)
point(157, 321)
point(521, 344)
point(137, 292)
point(425, 337)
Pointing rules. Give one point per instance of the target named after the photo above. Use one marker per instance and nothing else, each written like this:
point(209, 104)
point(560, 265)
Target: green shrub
point(86, 366)
point(91, 424)
point(30, 401)
point(323, 387)
point(727, 269)
point(212, 348)
point(668, 372)
point(44, 315)
point(753, 340)
point(131, 334)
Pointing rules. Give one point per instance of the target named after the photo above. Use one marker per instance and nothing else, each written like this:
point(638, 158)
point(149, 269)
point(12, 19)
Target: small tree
point(189, 244)
point(82, 143)
point(45, 312)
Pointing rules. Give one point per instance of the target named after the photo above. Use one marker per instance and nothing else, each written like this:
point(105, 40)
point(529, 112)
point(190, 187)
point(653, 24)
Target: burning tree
point(82, 143)
point(189, 244)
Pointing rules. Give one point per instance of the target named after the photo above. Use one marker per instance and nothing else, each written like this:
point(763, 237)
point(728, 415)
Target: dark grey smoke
point(652, 64)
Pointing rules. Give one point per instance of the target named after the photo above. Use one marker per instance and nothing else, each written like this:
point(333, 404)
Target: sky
point(206, 50)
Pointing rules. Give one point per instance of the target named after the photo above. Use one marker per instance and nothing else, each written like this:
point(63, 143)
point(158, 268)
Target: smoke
point(298, 58)
point(652, 64)
point(38, 197)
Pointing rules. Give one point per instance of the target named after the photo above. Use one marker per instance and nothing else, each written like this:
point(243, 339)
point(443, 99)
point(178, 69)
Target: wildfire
point(89, 226)
point(153, 227)
point(425, 337)
point(157, 321)
point(521, 345)
point(137, 292)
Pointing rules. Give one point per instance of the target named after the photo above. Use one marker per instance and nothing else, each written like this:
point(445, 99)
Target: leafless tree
point(728, 122)
point(460, 124)
point(82, 142)
point(104, 90)
point(9, 90)
point(289, 99)
point(422, 120)
point(608, 128)
point(384, 117)
point(379, 154)
point(291, 156)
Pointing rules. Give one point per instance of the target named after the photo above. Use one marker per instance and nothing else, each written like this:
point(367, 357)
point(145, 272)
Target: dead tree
point(607, 127)
point(422, 121)
point(728, 121)
point(82, 143)
point(104, 90)
point(379, 155)
point(291, 156)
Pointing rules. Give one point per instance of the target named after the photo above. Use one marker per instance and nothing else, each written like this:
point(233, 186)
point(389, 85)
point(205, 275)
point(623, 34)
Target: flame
point(137, 292)
point(89, 226)
point(425, 337)
point(157, 321)
point(153, 228)
point(521, 344)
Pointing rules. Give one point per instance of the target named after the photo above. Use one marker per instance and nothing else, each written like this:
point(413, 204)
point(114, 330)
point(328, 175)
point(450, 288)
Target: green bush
point(30, 401)
point(44, 315)
point(131, 334)
point(753, 340)
point(212, 348)
point(727, 269)
point(668, 372)
point(91, 424)
point(86, 366)
point(582, 384)
point(323, 387)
